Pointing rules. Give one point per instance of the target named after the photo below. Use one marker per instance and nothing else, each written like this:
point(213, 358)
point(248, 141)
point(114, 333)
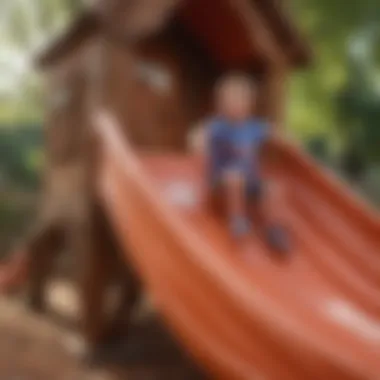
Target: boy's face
point(237, 101)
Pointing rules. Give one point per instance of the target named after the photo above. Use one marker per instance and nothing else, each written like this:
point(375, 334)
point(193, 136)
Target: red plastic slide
point(242, 313)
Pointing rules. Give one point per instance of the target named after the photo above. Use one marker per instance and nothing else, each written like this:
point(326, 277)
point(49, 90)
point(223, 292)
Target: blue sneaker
point(278, 239)
point(239, 226)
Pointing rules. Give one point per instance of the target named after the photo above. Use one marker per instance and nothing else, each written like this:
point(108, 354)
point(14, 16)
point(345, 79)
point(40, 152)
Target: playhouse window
point(156, 76)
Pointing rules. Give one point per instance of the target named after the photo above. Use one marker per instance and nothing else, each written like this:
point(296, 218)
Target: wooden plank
point(287, 35)
point(259, 32)
point(273, 94)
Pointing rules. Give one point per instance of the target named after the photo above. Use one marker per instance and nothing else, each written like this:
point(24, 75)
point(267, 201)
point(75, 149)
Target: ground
point(41, 348)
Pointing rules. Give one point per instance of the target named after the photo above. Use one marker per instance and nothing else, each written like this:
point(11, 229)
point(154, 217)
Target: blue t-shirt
point(235, 146)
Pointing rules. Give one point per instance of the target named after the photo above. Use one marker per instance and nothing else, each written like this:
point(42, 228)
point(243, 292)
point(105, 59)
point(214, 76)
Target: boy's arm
point(197, 138)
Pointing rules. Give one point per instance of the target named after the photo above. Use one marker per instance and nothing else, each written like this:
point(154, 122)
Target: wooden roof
point(83, 28)
point(268, 29)
point(285, 31)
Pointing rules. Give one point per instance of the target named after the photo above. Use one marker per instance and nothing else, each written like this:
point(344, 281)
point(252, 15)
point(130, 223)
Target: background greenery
point(339, 97)
point(334, 105)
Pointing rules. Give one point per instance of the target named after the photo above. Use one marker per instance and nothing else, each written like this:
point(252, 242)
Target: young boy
point(232, 141)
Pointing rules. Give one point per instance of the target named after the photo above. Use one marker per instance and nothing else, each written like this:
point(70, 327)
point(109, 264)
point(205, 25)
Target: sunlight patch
point(181, 194)
point(354, 319)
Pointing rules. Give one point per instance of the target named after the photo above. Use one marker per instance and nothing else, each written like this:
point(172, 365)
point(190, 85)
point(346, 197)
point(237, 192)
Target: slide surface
point(239, 310)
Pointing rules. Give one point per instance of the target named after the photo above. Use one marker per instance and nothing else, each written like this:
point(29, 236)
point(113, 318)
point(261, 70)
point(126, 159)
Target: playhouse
point(125, 84)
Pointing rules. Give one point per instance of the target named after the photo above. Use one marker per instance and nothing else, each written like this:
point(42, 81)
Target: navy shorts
point(254, 189)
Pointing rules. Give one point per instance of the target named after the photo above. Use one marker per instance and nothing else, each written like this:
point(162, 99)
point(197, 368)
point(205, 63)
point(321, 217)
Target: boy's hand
point(197, 139)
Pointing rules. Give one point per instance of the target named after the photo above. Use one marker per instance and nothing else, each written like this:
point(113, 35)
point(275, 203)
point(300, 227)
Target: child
point(232, 141)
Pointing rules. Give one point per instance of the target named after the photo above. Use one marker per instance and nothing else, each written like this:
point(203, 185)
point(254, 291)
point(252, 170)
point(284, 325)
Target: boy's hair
point(235, 79)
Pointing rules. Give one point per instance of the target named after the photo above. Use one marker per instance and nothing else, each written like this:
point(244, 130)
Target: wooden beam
point(273, 95)
point(259, 32)
point(288, 37)
point(77, 34)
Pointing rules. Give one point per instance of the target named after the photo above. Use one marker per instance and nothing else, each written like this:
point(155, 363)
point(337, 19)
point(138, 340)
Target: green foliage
point(330, 100)
point(316, 107)
point(17, 147)
point(15, 216)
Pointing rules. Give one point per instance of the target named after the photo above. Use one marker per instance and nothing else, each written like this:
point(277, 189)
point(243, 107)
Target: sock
point(239, 225)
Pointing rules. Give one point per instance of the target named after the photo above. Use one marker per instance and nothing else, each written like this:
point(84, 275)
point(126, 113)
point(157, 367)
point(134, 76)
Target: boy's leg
point(256, 203)
point(266, 202)
point(235, 191)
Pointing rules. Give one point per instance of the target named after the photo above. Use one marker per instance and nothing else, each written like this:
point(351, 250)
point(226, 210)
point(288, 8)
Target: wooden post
point(101, 265)
point(273, 95)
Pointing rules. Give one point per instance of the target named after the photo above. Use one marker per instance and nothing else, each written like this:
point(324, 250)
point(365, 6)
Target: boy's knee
point(234, 177)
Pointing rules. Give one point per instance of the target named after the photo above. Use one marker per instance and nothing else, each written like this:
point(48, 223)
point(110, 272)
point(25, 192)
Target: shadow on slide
point(240, 312)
